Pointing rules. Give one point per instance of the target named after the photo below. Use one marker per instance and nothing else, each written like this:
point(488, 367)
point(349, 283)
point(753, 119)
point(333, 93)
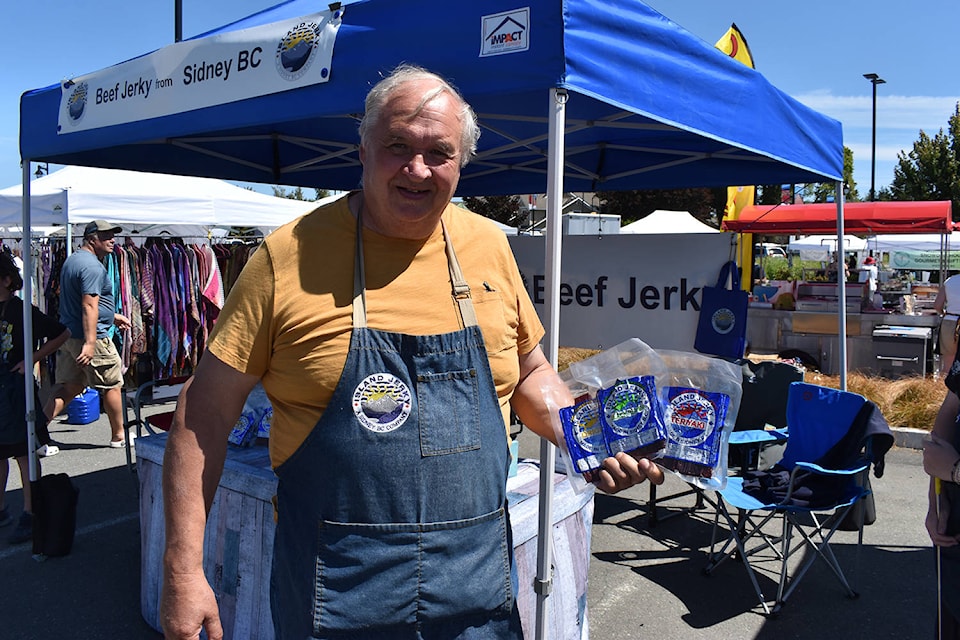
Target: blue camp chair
point(834, 438)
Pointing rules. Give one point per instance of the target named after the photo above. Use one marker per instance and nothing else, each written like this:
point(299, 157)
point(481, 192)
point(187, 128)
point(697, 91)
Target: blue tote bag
point(722, 329)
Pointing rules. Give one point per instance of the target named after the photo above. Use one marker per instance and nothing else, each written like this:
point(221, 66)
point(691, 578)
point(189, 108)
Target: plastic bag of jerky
point(624, 378)
point(700, 397)
point(578, 431)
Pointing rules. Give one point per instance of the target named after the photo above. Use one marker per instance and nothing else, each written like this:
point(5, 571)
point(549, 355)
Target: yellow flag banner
point(735, 45)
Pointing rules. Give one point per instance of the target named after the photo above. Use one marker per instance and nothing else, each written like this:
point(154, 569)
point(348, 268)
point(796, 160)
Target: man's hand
point(86, 354)
point(939, 456)
point(122, 321)
point(187, 605)
point(937, 527)
point(623, 471)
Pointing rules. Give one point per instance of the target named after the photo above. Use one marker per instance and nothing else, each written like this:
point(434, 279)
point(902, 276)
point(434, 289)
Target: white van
point(770, 250)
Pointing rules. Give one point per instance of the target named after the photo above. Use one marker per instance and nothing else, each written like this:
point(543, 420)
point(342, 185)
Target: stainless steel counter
point(816, 334)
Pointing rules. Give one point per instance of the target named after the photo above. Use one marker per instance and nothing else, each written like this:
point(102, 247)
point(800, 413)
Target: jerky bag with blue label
point(630, 416)
point(700, 397)
point(624, 377)
point(573, 414)
point(583, 437)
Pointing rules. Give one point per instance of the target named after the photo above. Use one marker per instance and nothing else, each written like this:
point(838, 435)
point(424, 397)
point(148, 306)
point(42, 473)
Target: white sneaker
point(48, 450)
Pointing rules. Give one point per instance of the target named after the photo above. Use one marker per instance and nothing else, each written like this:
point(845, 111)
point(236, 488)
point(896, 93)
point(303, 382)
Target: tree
point(507, 210)
point(297, 194)
point(931, 170)
point(825, 191)
point(702, 203)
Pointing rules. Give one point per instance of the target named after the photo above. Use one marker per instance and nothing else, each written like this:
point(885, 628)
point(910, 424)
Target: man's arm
point(536, 374)
point(941, 300)
point(207, 409)
point(90, 311)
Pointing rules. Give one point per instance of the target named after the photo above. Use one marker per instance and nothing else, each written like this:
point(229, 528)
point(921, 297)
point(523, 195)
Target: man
point(90, 359)
point(390, 382)
point(947, 305)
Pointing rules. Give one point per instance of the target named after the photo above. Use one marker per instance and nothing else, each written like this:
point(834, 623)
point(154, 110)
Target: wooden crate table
point(238, 545)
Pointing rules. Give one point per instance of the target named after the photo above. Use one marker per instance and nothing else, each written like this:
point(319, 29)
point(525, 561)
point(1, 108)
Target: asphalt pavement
point(645, 582)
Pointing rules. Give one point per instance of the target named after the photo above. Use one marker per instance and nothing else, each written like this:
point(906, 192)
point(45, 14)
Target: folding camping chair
point(834, 438)
point(153, 392)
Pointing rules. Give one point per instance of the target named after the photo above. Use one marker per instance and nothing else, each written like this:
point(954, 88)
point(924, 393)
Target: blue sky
point(816, 51)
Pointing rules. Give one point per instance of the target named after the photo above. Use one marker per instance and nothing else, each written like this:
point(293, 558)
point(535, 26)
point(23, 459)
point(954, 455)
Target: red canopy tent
point(861, 218)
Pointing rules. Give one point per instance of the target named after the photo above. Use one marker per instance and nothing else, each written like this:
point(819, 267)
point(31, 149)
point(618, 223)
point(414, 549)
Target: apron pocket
point(388, 575)
point(449, 405)
point(366, 576)
point(466, 568)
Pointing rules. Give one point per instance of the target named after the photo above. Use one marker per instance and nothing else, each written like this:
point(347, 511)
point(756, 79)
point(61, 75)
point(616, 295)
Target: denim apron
point(392, 515)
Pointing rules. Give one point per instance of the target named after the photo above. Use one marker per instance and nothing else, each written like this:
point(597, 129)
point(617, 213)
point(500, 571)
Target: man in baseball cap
point(100, 226)
point(89, 358)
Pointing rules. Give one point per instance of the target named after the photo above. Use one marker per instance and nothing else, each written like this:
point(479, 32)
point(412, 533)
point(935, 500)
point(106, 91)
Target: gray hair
point(383, 90)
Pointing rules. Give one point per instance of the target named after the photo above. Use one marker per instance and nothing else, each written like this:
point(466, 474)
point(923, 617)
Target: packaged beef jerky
point(700, 397)
point(583, 436)
point(630, 415)
point(625, 378)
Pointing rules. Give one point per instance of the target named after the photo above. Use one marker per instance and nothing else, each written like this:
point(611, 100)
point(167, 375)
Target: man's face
point(103, 243)
point(411, 164)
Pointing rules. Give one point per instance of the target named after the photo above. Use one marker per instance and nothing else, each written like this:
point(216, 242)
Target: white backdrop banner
point(626, 286)
point(205, 72)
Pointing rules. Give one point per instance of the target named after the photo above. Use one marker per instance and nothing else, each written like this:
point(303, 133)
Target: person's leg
point(23, 532)
point(948, 345)
point(113, 407)
point(23, 463)
point(60, 398)
point(107, 376)
point(4, 471)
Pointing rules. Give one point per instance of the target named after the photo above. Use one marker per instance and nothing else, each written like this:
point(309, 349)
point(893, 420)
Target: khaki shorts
point(103, 372)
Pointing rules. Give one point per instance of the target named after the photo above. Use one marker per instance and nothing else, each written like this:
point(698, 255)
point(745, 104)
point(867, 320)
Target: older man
point(390, 377)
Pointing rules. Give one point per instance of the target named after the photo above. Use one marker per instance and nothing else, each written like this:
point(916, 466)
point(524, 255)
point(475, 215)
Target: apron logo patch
point(381, 402)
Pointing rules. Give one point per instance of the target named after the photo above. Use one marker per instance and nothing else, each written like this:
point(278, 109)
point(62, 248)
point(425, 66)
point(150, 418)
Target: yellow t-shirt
point(288, 317)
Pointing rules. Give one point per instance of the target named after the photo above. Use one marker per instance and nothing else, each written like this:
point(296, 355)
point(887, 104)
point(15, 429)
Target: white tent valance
point(134, 199)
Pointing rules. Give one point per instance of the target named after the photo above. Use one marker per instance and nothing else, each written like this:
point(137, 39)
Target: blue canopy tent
point(572, 95)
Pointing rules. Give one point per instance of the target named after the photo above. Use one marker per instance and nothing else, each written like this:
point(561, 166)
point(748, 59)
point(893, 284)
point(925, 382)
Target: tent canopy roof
point(649, 105)
point(862, 218)
point(662, 221)
point(132, 198)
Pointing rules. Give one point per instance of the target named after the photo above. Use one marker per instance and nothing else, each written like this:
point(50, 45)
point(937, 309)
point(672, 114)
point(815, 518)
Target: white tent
point(137, 200)
point(662, 221)
point(823, 247)
point(913, 242)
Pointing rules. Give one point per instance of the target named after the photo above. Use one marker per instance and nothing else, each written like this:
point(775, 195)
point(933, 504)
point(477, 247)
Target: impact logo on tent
point(507, 32)
point(295, 50)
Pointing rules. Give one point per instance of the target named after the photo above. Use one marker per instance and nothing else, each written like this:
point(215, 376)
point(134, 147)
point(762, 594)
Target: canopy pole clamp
point(543, 587)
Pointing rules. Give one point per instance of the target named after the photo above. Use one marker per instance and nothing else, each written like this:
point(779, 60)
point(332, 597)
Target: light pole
point(874, 80)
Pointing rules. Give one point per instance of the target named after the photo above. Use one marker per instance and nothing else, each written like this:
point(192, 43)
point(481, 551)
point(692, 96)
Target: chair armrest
point(756, 436)
point(831, 472)
point(815, 468)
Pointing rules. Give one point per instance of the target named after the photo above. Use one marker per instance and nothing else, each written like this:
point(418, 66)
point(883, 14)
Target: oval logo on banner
point(723, 320)
point(381, 402)
point(295, 50)
point(77, 102)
